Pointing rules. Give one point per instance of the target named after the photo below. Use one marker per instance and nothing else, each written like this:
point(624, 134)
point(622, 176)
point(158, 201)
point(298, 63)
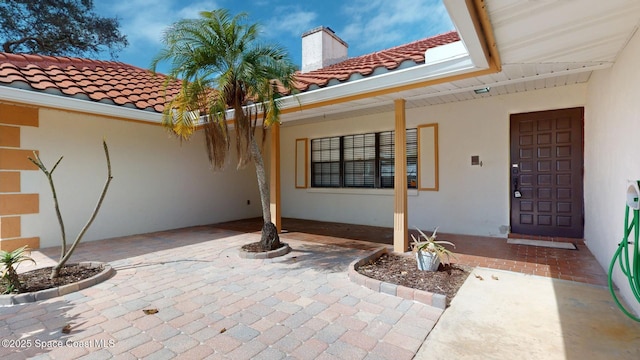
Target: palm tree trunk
point(270, 239)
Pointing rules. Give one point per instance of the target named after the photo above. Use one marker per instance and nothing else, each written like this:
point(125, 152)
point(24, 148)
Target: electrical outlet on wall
point(248, 202)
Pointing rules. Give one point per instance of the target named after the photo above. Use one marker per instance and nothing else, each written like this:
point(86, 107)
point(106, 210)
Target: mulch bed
point(37, 280)
point(403, 270)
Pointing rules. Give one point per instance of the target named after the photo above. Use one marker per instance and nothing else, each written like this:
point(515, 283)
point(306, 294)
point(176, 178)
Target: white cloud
point(193, 10)
point(290, 20)
point(376, 24)
point(144, 21)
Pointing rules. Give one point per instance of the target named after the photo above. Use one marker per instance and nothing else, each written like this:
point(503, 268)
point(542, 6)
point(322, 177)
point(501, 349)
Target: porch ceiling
point(542, 44)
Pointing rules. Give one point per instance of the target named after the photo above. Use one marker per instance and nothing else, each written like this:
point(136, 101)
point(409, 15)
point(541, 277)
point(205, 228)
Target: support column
point(400, 231)
point(274, 176)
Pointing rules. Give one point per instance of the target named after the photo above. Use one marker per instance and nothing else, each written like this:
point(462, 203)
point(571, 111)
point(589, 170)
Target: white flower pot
point(427, 261)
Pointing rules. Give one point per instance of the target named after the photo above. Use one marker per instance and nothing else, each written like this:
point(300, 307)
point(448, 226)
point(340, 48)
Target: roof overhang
point(471, 56)
point(468, 57)
point(542, 44)
point(514, 46)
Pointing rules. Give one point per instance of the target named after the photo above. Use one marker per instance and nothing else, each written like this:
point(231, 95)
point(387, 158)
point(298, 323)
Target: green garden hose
point(631, 269)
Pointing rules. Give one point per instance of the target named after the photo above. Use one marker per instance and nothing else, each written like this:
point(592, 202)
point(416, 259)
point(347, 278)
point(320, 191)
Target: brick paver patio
point(212, 304)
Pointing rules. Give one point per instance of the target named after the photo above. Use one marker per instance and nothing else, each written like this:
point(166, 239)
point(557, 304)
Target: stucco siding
point(158, 183)
point(612, 132)
point(470, 200)
point(357, 206)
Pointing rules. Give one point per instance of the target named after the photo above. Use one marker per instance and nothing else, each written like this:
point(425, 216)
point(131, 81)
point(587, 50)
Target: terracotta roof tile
point(64, 83)
point(142, 104)
point(8, 79)
point(85, 79)
point(113, 93)
point(366, 64)
point(72, 90)
point(59, 77)
point(127, 85)
point(121, 100)
point(43, 85)
point(98, 96)
point(91, 88)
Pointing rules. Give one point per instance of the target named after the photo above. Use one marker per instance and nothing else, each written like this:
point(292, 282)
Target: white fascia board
point(36, 98)
point(461, 17)
point(443, 53)
point(452, 66)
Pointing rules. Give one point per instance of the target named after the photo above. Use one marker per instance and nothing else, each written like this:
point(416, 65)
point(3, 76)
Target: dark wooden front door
point(546, 173)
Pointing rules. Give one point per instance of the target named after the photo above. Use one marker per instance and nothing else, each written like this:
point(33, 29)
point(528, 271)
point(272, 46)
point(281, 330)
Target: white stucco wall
point(471, 199)
point(612, 137)
point(158, 183)
point(356, 206)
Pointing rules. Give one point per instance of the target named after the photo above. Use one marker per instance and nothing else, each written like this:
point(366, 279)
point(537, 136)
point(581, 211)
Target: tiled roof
point(121, 84)
point(101, 81)
point(366, 64)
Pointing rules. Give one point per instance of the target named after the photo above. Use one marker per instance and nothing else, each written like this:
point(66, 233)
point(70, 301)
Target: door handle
point(516, 193)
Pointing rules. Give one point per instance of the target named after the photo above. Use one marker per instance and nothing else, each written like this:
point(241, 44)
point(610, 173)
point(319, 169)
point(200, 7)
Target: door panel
point(546, 173)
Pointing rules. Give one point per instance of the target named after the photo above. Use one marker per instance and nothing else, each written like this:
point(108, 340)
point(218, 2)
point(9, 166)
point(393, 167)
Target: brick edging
point(283, 250)
point(29, 297)
point(425, 297)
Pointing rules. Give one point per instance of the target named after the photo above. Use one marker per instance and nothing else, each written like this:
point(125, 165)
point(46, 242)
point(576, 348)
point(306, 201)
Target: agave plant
point(430, 244)
point(10, 261)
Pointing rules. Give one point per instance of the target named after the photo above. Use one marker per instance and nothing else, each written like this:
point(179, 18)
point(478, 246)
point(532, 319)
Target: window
point(325, 162)
point(387, 158)
point(362, 160)
point(359, 160)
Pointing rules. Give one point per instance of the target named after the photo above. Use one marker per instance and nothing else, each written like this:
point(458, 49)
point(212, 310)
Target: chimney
point(322, 47)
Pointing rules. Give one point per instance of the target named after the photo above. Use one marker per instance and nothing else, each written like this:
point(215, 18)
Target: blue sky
point(366, 25)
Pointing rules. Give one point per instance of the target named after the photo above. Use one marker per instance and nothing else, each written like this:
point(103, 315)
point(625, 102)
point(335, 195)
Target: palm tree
point(227, 78)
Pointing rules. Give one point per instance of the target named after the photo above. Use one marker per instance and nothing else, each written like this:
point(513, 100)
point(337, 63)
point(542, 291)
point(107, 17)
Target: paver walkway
point(212, 304)
point(492, 252)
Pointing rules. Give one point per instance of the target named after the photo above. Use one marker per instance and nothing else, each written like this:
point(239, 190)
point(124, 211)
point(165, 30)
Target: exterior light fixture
point(483, 90)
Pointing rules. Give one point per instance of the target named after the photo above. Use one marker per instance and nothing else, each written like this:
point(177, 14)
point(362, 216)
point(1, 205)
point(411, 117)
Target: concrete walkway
point(212, 304)
point(509, 315)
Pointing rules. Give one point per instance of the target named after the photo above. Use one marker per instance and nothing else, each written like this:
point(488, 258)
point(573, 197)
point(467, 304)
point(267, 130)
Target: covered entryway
point(546, 173)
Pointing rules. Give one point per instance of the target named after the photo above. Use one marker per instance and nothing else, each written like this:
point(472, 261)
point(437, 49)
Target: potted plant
point(431, 252)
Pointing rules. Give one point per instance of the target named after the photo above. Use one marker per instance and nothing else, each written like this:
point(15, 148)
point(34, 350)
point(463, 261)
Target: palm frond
point(222, 52)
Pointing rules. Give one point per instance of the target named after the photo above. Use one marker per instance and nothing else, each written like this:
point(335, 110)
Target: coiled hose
point(630, 266)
